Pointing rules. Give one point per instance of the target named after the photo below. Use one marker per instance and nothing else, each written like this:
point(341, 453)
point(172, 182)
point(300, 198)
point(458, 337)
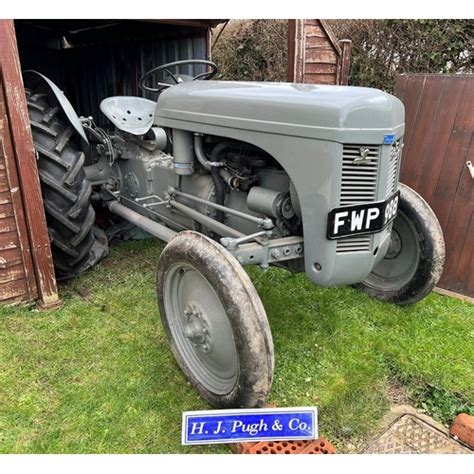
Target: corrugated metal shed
point(315, 56)
point(90, 60)
point(95, 60)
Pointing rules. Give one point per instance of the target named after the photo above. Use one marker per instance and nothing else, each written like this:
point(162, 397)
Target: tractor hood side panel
point(304, 128)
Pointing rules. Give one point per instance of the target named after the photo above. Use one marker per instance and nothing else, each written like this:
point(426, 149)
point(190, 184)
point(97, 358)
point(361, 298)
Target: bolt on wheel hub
point(395, 246)
point(196, 328)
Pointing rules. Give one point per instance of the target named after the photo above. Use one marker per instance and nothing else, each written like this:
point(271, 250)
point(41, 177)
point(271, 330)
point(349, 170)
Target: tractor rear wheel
point(76, 243)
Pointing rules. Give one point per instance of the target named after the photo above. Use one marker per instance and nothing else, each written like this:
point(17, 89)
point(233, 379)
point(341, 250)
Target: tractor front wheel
point(414, 261)
point(215, 322)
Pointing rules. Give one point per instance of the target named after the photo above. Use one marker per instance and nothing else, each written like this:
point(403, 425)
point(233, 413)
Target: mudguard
point(35, 79)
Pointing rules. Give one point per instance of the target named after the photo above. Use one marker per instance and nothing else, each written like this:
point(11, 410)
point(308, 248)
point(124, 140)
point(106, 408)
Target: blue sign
point(265, 424)
point(388, 139)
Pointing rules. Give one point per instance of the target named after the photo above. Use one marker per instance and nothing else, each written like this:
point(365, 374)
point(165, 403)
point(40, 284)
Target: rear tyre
point(76, 243)
point(414, 261)
point(215, 322)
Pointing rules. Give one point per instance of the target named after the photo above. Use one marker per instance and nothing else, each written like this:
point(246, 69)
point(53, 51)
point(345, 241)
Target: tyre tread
point(66, 190)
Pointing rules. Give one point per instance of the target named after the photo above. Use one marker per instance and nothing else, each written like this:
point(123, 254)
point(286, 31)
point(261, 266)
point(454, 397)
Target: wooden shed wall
point(17, 283)
point(26, 266)
point(438, 143)
point(315, 55)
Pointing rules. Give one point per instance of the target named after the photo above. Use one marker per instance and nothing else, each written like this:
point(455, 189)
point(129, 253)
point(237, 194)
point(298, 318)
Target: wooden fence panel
point(438, 143)
point(315, 56)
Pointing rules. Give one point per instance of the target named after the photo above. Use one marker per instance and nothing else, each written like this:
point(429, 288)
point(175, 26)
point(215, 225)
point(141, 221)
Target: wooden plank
point(5, 197)
point(3, 174)
point(454, 165)
point(320, 68)
point(7, 225)
point(290, 71)
point(318, 55)
point(418, 145)
point(463, 275)
point(328, 79)
point(6, 210)
point(311, 32)
point(345, 62)
point(9, 240)
point(28, 172)
point(412, 100)
point(453, 294)
point(13, 273)
point(22, 298)
point(296, 44)
point(457, 231)
point(315, 26)
point(434, 152)
point(12, 186)
point(10, 258)
point(13, 289)
point(465, 269)
point(4, 187)
point(332, 37)
point(318, 42)
point(440, 129)
point(400, 87)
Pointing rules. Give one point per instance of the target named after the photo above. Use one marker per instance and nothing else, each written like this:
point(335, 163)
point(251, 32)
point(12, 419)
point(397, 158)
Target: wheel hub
point(196, 328)
point(395, 246)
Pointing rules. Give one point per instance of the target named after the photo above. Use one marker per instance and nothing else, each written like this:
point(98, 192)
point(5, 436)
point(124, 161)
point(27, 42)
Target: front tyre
point(414, 261)
point(215, 322)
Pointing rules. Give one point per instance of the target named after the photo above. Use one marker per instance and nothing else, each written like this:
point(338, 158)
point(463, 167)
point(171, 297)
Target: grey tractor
point(299, 176)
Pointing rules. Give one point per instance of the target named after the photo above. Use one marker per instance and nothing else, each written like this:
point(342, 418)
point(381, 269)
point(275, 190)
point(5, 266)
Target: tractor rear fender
point(35, 80)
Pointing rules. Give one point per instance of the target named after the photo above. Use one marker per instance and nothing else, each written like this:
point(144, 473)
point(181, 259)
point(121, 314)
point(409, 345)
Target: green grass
point(97, 375)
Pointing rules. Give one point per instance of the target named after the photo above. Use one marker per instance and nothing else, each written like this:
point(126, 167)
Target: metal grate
point(356, 243)
point(358, 186)
point(394, 160)
point(359, 180)
point(413, 435)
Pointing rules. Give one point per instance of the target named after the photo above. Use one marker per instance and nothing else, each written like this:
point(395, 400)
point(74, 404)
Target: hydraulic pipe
point(264, 222)
point(216, 226)
point(148, 225)
point(202, 157)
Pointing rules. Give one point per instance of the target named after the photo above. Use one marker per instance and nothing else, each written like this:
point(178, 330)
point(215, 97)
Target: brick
point(278, 447)
point(463, 429)
point(318, 446)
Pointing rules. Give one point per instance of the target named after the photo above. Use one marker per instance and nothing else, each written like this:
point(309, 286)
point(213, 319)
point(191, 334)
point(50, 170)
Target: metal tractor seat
point(130, 114)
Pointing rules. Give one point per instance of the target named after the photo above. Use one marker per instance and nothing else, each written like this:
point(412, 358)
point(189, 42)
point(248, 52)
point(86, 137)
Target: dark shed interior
point(93, 59)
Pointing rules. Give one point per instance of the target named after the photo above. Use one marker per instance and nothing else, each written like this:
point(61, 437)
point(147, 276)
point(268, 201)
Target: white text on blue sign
point(222, 426)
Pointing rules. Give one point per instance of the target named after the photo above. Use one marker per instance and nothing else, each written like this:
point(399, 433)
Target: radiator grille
point(394, 160)
point(356, 243)
point(359, 181)
point(358, 186)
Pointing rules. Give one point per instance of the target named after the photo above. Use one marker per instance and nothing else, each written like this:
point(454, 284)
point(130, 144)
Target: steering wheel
point(177, 79)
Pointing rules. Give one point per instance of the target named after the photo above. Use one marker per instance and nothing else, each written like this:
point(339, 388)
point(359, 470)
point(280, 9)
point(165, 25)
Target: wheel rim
point(200, 328)
point(399, 265)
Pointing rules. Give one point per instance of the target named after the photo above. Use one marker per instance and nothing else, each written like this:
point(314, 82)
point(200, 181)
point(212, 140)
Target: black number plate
point(362, 218)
